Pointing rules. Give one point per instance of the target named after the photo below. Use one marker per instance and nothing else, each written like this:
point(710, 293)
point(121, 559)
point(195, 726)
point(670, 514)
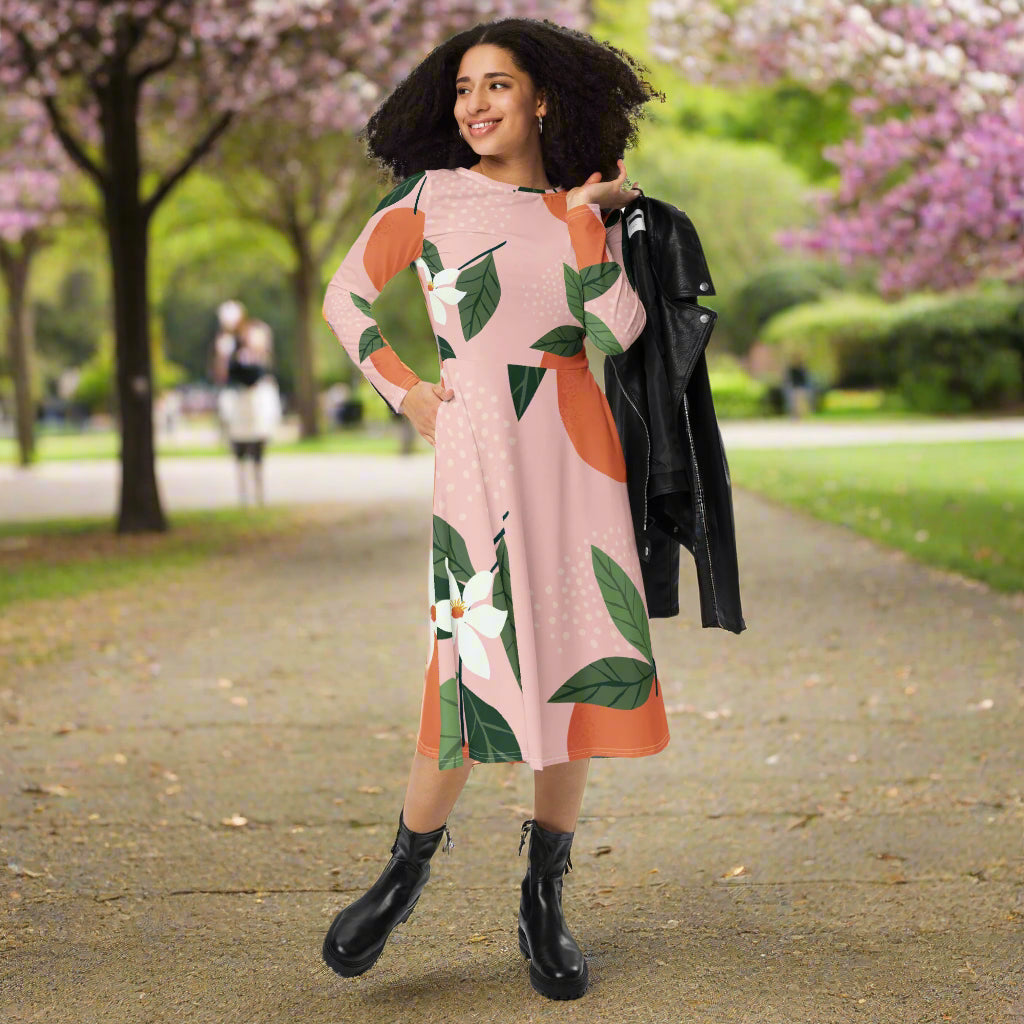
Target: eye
point(461, 89)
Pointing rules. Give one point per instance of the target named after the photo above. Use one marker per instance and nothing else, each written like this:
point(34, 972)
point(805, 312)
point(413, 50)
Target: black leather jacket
point(676, 470)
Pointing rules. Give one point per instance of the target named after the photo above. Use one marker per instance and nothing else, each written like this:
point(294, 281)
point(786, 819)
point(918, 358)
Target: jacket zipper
point(647, 474)
point(700, 503)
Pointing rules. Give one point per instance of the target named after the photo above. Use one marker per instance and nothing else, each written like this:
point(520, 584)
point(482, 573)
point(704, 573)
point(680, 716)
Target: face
point(490, 88)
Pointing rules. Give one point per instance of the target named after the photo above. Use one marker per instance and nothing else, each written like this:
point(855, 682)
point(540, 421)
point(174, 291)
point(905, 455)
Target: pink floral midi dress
point(540, 645)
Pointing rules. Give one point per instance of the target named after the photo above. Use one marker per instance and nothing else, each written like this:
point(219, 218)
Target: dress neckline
point(477, 176)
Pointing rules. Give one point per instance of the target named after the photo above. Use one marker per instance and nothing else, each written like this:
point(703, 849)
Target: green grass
point(69, 557)
point(958, 506)
point(106, 445)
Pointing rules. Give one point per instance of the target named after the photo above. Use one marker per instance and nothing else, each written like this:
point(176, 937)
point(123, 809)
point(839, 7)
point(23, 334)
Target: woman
point(250, 405)
point(506, 142)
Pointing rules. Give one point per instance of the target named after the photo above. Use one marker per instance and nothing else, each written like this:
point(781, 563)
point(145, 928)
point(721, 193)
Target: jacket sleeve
point(613, 316)
point(391, 239)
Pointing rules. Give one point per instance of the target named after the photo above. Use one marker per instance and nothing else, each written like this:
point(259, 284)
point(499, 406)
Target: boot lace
point(528, 826)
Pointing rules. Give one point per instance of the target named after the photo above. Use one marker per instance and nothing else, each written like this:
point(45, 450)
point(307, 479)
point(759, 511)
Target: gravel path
point(195, 774)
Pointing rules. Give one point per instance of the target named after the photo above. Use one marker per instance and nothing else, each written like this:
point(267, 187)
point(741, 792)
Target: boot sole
point(353, 968)
point(571, 988)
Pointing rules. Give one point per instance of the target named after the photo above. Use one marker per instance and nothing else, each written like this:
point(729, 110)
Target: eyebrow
point(490, 74)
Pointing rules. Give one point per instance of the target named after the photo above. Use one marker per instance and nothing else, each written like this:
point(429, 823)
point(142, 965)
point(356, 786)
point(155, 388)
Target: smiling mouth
point(483, 127)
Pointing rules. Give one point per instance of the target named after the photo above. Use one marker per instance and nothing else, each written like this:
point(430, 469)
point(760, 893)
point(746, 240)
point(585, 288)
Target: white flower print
point(465, 615)
point(441, 290)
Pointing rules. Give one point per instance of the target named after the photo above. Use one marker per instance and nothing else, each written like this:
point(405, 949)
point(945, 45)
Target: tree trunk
point(15, 262)
point(127, 227)
point(303, 278)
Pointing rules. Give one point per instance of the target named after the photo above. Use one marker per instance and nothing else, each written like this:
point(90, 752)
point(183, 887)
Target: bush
point(736, 394)
point(773, 290)
point(964, 352)
point(841, 339)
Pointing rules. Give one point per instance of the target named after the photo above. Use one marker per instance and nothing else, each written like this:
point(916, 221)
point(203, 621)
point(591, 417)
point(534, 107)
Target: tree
point(930, 181)
point(31, 165)
point(307, 189)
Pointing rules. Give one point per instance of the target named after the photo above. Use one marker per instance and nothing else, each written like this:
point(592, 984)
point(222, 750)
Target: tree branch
point(72, 146)
point(157, 66)
point(196, 153)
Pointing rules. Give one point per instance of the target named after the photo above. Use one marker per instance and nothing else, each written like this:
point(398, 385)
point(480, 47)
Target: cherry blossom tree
point(31, 167)
point(930, 185)
point(139, 91)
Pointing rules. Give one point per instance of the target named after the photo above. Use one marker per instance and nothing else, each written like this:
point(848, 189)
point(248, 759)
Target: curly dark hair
point(595, 94)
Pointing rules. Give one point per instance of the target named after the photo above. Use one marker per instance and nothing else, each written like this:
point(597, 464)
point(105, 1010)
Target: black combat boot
point(357, 935)
point(557, 967)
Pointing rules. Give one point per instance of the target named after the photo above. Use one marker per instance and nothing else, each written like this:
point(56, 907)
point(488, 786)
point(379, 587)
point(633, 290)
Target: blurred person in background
point(249, 404)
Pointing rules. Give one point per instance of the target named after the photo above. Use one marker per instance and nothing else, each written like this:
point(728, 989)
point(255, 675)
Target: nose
point(476, 101)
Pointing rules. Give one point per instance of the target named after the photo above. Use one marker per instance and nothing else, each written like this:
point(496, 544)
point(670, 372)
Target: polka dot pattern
point(513, 477)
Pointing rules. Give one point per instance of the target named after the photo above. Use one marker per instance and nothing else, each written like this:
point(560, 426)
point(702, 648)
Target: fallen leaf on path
point(600, 851)
point(17, 869)
point(235, 821)
point(371, 790)
point(64, 729)
point(799, 821)
point(240, 701)
point(225, 684)
point(54, 790)
point(735, 872)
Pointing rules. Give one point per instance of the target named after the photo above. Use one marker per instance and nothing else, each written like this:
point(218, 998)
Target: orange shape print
point(596, 728)
point(386, 362)
point(587, 234)
point(430, 713)
point(393, 244)
point(586, 415)
point(555, 202)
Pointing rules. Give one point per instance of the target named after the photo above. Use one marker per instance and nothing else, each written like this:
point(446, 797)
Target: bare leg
point(558, 794)
point(257, 475)
point(241, 482)
point(431, 793)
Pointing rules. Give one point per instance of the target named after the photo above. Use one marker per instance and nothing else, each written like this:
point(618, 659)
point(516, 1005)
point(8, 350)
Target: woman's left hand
point(609, 195)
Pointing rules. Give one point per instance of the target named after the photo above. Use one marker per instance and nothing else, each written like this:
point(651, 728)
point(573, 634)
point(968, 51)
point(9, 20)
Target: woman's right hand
point(421, 403)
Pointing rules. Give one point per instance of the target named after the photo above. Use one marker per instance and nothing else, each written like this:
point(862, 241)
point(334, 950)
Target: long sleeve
point(391, 239)
point(613, 315)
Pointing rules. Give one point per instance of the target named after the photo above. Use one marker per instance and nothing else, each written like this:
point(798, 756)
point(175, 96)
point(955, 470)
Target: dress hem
point(578, 754)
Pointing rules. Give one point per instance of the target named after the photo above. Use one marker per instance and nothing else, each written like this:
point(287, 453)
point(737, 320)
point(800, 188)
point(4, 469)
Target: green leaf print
point(480, 283)
point(444, 349)
point(623, 601)
point(450, 754)
point(524, 381)
point(598, 278)
point(600, 334)
point(488, 734)
point(399, 191)
point(573, 291)
point(566, 340)
point(611, 682)
point(502, 600)
point(432, 257)
point(448, 543)
point(369, 341)
point(361, 304)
